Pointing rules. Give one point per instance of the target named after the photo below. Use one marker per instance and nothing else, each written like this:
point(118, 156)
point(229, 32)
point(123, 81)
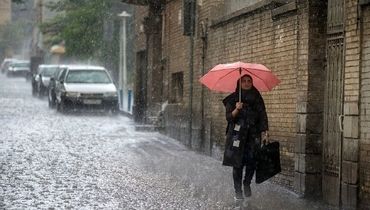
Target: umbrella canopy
point(223, 77)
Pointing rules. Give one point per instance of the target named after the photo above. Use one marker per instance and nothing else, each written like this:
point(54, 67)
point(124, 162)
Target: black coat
point(252, 120)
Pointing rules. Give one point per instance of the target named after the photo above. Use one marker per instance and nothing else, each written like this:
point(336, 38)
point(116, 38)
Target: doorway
point(333, 107)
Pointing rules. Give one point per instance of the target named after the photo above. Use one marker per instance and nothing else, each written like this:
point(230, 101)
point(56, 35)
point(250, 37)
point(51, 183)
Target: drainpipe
point(204, 47)
point(191, 66)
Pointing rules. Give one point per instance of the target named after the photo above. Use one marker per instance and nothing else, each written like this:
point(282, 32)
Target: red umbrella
point(224, 77)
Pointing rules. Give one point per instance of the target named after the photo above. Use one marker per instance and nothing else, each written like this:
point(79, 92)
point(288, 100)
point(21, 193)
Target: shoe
point(247, 191)
point(239, 196)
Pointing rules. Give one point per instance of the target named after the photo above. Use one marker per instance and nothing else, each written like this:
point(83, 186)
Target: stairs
point(152, 125)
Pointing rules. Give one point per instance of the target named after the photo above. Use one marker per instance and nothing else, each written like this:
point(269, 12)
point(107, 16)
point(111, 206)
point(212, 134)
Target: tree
point(81, 25)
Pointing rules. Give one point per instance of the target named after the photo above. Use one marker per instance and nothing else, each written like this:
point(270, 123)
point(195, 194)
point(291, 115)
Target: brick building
point(320, 113)
point(5, 12)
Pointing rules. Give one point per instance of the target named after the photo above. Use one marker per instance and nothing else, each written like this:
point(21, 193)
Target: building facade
point(5, 11)
point(319, 112)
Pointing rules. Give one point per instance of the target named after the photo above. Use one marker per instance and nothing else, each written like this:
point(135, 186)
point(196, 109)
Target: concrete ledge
point(258, 7)
point(146, 128)
point(283, 10)
point(127, 114)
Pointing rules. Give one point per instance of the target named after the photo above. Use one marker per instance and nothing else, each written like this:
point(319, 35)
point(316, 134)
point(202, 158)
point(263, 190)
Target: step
point(146, 128)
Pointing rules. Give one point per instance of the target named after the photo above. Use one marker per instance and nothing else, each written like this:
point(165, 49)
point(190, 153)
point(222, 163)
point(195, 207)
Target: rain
point(86, 160)
point(120, 104)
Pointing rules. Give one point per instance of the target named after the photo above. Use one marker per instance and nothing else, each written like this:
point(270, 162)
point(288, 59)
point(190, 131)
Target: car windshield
point(21, 65)
point(87, 76)
point(48, 71)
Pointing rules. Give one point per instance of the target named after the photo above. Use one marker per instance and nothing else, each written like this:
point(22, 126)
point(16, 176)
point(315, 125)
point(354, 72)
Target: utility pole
point(123, 95)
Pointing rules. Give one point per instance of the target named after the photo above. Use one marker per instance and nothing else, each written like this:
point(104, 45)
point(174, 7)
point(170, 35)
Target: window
point(62, 75)
point(88, 76)
point(177, 90)
point(231, 6)
point(234, 5)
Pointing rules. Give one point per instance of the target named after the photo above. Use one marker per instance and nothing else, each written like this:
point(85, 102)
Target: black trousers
point(249, 163)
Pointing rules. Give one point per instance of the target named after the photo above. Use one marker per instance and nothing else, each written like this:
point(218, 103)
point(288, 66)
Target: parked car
point(81, 86)
point(51, 89)
point(19, 68)
point(5, 64)
point(41, 80)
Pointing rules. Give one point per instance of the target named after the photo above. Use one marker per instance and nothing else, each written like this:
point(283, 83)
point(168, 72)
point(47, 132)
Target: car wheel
point(51, 100)
point(40, 92)
point(61, 107)
point(34, 92)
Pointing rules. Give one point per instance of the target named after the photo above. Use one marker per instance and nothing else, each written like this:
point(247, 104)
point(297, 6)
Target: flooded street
point(84, 160)
point(88, 161)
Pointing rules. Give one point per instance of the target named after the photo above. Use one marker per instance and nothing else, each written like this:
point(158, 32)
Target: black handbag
point(267, 162)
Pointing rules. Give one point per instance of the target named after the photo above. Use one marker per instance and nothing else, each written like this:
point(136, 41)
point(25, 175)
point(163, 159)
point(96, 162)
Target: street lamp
point(122, 67)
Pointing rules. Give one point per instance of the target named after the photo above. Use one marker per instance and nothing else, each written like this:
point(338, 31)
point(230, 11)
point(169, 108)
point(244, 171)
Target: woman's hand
point(238, 107)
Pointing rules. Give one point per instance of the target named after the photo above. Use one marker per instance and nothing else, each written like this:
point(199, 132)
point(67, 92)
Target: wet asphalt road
point(84, 160)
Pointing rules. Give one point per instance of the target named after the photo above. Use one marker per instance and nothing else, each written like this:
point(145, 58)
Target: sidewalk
point(268, 196)
point(213, 180)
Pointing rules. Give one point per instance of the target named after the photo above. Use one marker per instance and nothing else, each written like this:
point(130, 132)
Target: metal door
point(141, 86)
point(333, 108)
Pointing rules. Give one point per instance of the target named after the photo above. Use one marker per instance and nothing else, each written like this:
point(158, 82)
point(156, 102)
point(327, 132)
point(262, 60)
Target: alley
point(50, 160)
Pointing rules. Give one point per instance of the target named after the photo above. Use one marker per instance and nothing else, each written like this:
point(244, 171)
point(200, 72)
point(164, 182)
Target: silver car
point(42, 78)
point(19, 68)
point(80, 86)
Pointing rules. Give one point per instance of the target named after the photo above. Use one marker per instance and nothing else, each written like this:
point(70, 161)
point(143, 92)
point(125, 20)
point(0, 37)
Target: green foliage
point(81, 25)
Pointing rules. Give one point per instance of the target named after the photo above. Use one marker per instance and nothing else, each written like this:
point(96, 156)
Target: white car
point(5, 64)
point(19, 68)
point(81, 86)
point(42, 78)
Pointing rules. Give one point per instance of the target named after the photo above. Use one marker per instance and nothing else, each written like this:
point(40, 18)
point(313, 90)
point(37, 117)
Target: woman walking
point(247, 126)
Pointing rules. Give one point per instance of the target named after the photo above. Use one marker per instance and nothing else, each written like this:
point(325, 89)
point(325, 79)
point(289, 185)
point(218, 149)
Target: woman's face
point(246, 83)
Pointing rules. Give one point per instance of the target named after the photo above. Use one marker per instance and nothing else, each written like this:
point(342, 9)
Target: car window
point(62, 74)
point(48, 71)
point(88, 76)
point(56, 73)
point(21, 65)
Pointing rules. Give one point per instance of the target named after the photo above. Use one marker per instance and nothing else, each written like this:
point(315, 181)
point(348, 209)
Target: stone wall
point(364, 127)
point(268, 33)
point(290, 39)
point(5, 11)
point(279, 40)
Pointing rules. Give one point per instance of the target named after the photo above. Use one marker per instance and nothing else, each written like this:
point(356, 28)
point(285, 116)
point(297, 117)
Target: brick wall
point(365, 111)
point(257, 37)
point(5, 11)
point(310, 96)
point(176, 49)
point(290, 40)
point(140, 39)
